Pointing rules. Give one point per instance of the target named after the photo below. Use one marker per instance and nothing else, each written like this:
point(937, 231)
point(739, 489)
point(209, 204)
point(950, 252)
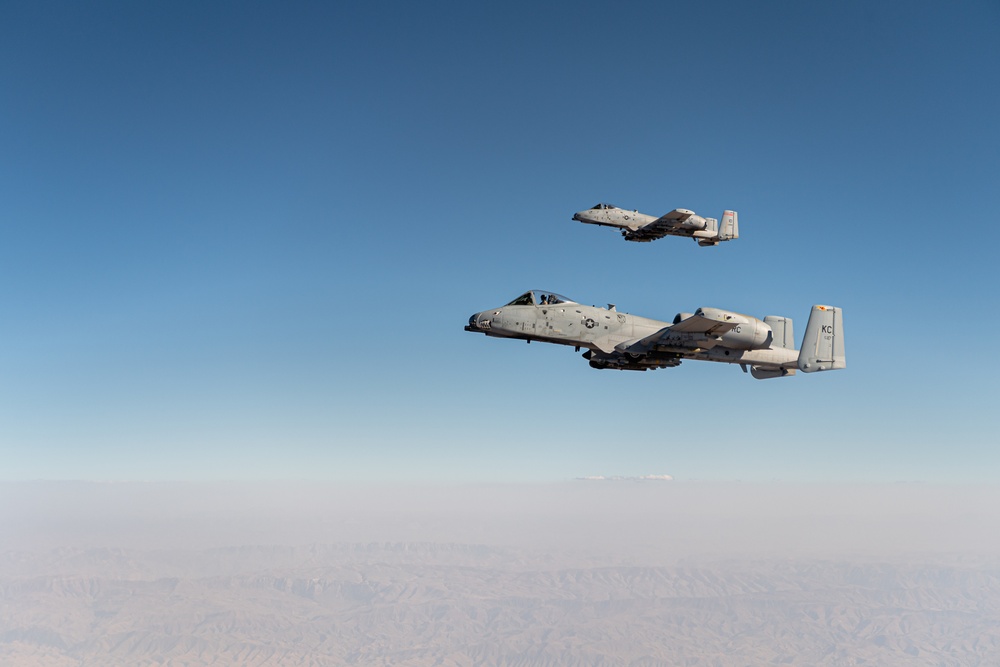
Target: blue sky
point(240, 240)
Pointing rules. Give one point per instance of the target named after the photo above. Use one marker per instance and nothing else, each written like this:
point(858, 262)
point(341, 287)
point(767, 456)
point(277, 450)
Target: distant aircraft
point(640, 227)
point(628, 342)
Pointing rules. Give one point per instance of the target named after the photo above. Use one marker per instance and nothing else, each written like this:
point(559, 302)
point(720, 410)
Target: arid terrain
point(554, 602)
point(432, 604)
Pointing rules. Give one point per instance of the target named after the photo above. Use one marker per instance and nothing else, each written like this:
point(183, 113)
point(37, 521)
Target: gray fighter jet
point(637, 226)
point(631, 343)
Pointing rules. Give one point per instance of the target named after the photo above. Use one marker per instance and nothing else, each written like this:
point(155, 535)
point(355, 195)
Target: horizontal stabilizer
point(766, 372)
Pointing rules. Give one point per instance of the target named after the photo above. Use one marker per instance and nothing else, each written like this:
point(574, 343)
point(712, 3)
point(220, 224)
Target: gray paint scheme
point(628, 342)
point(640, 227)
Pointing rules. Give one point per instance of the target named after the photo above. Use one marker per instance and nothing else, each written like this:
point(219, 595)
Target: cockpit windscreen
point(539, 298)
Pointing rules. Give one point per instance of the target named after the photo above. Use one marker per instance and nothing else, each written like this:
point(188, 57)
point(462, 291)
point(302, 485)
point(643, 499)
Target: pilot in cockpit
point(544, 300)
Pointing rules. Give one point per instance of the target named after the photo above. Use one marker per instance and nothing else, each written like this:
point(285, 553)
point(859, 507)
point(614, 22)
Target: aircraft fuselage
point(641, 227)
point(620, 340)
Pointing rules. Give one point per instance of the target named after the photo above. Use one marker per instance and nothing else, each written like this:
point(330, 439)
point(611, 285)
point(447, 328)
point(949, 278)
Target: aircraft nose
point(477, 322)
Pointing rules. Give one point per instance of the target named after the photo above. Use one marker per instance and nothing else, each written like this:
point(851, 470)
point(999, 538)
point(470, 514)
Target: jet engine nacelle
point(695, 222)
point(681, 316)
point(749, 334)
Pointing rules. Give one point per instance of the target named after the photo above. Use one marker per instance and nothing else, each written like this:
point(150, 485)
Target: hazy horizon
point(675, 517)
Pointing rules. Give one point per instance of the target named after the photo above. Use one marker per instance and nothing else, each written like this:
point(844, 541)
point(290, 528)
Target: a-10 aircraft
point(628, 342)
point(637, 226)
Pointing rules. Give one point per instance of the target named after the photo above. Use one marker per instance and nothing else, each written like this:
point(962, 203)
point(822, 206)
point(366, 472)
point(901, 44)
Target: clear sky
point(240, 240)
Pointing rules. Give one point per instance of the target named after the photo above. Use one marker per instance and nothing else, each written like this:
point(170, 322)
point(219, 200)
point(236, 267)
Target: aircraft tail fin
point(712, 228)
point(823, 344)
point(730, 226)
point(781, 331)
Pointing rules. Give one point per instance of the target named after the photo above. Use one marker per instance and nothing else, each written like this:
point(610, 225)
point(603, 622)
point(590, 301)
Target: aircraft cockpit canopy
point(539, 298)
point(602, 207)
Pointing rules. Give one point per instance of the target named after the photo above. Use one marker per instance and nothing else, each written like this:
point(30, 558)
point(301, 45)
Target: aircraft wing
point(714, 325)
point(663, 225)
point(698, 330)
point(675, 216)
